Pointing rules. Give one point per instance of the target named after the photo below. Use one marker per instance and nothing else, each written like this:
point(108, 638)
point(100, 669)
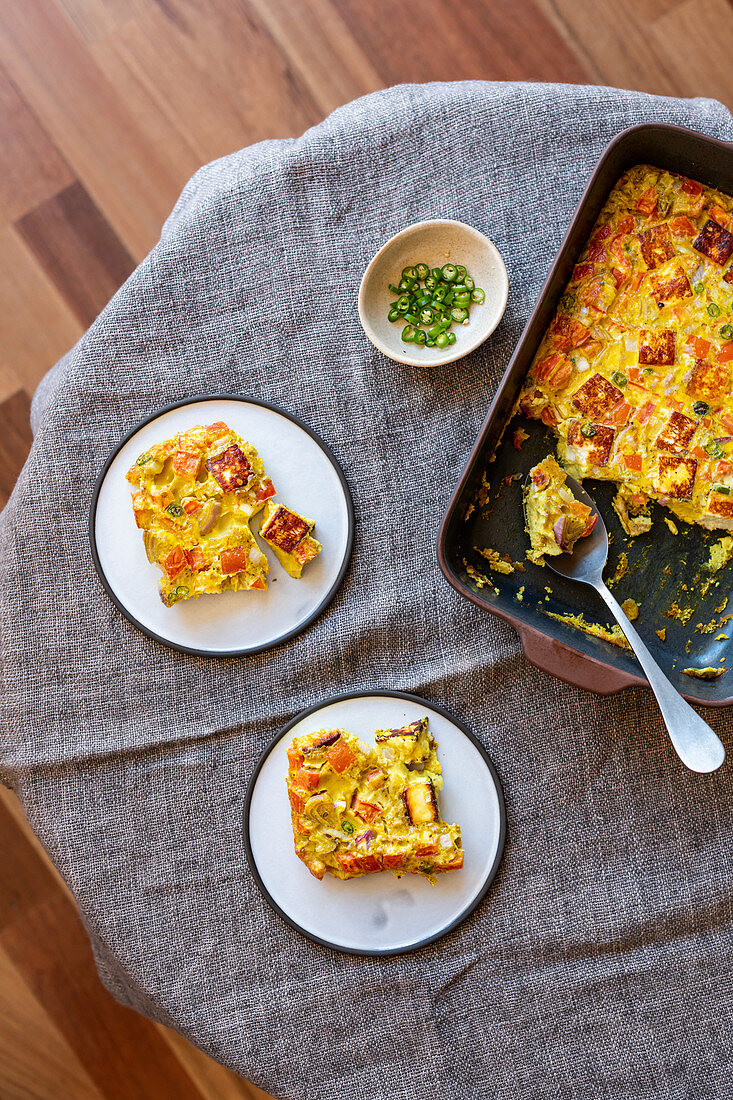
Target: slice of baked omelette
point(357, 810)
point(196, 494)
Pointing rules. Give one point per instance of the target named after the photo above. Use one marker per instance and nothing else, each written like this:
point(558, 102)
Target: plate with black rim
point(377, 914)
point(307, 478)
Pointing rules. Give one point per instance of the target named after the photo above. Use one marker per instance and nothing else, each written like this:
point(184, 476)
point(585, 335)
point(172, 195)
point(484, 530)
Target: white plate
point(377, 914)
point(307, 478)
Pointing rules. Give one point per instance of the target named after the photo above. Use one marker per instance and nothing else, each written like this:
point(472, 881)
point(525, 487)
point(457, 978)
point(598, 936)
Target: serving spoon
point(696, 744)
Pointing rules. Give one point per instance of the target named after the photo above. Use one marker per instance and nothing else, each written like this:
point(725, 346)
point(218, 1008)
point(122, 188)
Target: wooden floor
point(106, 108)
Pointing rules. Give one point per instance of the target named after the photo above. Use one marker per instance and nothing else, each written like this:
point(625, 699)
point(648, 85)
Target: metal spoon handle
point(696, 744)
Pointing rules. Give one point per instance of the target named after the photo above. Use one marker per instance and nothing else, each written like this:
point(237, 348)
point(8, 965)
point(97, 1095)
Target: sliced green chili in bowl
point(431, 301)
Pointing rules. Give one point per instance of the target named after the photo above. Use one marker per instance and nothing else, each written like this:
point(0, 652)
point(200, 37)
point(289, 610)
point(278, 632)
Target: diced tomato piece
point(367, 810)
point(633, 462)
point(627, 224)
point(581, 271)
point(187, 463)
point(393, 860)
point(340, 756)
point(592, 521)
point(726, 353)
point(519, 438)
point(555, 369)
point(259, 583)
point(645, 411)
point(682, 227)
point(308, 778)
point(591, 294)
point(698, 454)
point(297, 800)
point(698, 347)
point(369, 864)
point(602, 233)
point(195, 557)
point(692, 188)
point(216, 430)
point(618, 275)
point(591, 348)
point(233, 560)
point(191, 506)
point(175, 562)
point(724, 468)
point(567, 333)
point(348, 863)
point(619, 253)
point(596, 251)
point(427, 850)
point(719, 215)
point(620, 415)
point(636, 281)
point(634, 374)
point(455, 864)
point(295, 759)
point(727, 421)
point(647, 203)
point(549, 417)
point(265, 490)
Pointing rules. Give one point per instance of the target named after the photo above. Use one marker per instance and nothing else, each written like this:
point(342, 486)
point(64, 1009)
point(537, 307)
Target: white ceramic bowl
point(434, 243)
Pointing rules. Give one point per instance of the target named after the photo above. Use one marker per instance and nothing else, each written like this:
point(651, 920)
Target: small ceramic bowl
point(434, 243)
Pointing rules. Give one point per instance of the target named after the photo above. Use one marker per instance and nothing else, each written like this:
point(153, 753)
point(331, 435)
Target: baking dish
point(662, 571)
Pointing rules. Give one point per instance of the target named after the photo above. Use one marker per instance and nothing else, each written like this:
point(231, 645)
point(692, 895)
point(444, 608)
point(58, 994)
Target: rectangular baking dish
point(663, 569)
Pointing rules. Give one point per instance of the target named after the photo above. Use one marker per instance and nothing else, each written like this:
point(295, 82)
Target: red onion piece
point(367, 837)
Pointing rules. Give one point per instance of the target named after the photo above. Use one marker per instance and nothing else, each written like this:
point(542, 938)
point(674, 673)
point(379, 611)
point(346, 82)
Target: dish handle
point(572, 666)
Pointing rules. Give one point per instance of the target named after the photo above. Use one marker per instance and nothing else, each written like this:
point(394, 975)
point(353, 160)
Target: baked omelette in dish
point(195, 496)
point(555, 519)
point(634, 372)
point(357, 810)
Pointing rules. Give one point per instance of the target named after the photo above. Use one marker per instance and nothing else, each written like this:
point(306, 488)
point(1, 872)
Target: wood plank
point(186, 56)
point(40, 932)
point(78, 250)
point(652, 46)
point(212, 1079)
point(15, 440)
point(33, 168)
point(36, 325)
point(484, 40)
point(35, 1059)
point(95, 19)
point(131, 160)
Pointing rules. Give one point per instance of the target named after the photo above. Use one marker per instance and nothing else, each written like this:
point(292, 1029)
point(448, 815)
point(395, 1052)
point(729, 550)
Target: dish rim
point(541, 648)
point(250, 650)
point(452, 357)
point(493, 870)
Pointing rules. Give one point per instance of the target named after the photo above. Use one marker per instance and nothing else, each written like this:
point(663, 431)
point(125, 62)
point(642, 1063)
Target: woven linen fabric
point(600, 963)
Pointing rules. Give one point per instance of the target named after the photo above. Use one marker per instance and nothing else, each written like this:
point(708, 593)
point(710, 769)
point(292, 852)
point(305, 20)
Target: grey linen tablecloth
point(600, 963)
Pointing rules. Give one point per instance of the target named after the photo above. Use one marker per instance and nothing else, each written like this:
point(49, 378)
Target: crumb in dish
point(195, 495)
point(358, 810)
point(555, 519)
point(290, 537)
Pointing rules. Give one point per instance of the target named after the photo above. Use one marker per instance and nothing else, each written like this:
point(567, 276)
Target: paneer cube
point(596, 447)
point(709, 380)
point(714, 242)
point(677, 433)
point(230, 469)
point(656, 245)
point(657, 347)
point(676, 476)
point(669, 284)
point(420, 802)
point(597, 397)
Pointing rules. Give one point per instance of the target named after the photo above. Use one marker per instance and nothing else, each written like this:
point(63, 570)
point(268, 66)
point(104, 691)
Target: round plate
point(377, 914)
point(307, 478)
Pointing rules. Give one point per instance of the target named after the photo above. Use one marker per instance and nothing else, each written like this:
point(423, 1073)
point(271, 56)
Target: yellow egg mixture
point(634, 372)
point(357, 810)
